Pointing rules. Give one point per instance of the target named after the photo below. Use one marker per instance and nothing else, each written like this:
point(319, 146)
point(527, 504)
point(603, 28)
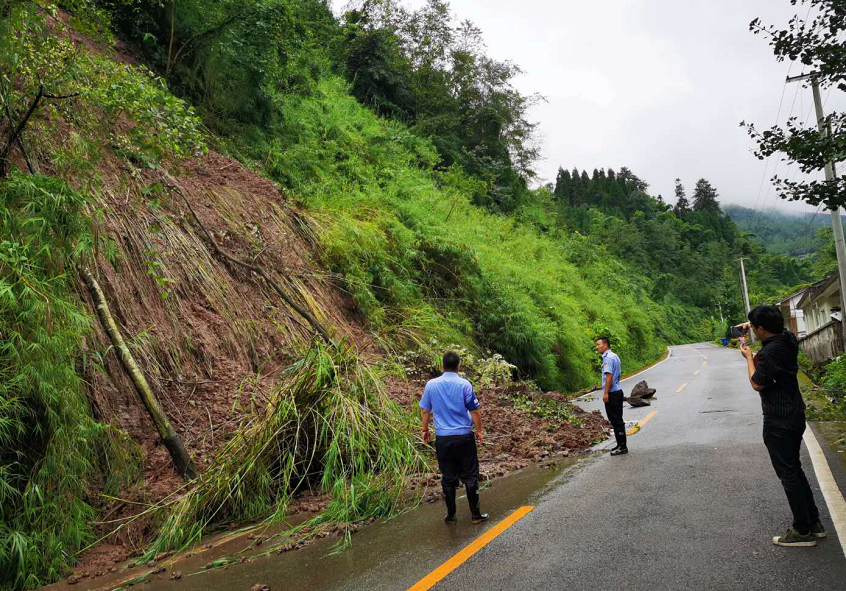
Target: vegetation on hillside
point(411, 153)
point(781, 232)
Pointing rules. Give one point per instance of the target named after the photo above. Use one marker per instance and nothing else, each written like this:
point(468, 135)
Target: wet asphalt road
point(693, 506)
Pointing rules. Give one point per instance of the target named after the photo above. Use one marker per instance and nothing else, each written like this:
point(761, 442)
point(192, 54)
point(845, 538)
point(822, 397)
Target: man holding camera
point(772, 373)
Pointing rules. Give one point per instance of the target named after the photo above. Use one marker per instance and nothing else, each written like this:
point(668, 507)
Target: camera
point(737, 332)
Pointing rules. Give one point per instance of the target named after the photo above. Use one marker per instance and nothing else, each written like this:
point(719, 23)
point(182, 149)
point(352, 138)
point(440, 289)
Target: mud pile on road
point(521, 425)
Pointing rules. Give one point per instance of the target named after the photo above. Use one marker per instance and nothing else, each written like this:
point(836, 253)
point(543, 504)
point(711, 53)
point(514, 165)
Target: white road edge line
point(669, 354)
point(831, 493)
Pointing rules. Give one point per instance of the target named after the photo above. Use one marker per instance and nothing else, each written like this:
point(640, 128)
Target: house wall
point(818, 313)
point(824, 343)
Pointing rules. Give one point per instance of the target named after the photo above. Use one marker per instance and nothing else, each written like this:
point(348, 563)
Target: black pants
point(458, 460)
point(614, 410)
point(783, 438)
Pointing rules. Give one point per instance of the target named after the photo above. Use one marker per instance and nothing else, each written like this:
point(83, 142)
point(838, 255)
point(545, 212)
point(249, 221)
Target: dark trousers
point(458, 460)
point(614, 411)
point(783, 438)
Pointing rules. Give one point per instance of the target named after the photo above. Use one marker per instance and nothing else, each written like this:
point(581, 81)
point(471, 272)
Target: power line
point(778, 115)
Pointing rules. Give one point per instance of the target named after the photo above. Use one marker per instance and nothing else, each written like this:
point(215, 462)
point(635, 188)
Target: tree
point(682, 207)
point(561, 193)
point(816, 45)
point(632, 180)
point(381, 77)
point(705, 197)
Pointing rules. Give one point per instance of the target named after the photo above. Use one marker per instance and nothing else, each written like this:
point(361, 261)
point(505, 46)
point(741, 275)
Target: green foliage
point(834, 379)
point(421, 260)
point(816, 43)
point(782, 233)
point(50, 447)
point(159, 127)
point(233, 57)
point(422, 68)
point(546, 407)
point(328, 425)
point(107, 103)
point(688, 253)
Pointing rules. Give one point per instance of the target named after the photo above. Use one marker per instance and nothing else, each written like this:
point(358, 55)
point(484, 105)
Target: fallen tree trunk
point(172, 441)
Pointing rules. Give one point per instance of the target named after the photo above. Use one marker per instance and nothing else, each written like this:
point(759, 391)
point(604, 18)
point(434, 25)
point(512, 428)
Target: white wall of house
point(817, 312)
point(794, 316)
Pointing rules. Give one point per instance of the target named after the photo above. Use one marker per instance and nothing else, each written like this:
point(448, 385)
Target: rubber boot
point(621, 448)
point(476, 515)
point(449, 499)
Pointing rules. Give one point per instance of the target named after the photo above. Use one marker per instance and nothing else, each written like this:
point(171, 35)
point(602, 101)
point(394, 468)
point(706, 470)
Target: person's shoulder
point(614, 355)
point(433, 382)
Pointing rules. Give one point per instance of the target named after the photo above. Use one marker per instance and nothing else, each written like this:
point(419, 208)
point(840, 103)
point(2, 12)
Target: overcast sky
point(659, 86)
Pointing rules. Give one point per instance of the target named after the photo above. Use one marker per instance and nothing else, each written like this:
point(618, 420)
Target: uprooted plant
point(328, 425)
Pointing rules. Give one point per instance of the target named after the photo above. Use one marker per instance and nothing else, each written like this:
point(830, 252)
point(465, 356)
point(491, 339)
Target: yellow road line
point(696, 373)
point(682, 387)
point(458, 559)
point(704, 363)
point(641, 423)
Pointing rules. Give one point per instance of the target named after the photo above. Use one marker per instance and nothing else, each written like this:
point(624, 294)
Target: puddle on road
point(414, 535)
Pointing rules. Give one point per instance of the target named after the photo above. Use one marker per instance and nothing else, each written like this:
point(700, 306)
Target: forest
point(287, 209)
point(795, 235)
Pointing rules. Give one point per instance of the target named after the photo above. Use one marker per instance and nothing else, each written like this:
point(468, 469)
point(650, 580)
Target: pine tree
point(632, 180)
point(561, 192)
point(682, 207)
point(705, 197)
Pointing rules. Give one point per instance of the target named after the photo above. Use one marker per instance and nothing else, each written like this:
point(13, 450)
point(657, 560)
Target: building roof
point(793, 295)
point(814, 290)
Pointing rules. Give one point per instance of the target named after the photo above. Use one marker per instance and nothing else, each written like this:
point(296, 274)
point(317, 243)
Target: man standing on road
point(772, 373)
point(612, 394)
point(456, 409)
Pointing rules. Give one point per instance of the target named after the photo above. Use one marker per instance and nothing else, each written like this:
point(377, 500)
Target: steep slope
point(108, 175)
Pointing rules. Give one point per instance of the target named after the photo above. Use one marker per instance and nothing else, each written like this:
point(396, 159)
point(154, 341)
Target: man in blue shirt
point(612, 394)
point(451, 399)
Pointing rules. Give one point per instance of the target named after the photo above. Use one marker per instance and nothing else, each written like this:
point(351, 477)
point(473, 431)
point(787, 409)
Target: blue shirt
point(450, 397)
point(611, 364)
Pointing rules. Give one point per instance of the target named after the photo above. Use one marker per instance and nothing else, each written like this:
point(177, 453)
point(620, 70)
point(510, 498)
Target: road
point(693, 506)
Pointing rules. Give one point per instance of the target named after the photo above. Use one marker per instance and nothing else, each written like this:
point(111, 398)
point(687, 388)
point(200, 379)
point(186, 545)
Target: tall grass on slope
point(51, 449)
point(328, 426)
point(418, 258)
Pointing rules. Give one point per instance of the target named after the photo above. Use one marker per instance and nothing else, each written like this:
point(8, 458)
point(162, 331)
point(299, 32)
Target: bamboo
point(301, 310)
point(171, 439)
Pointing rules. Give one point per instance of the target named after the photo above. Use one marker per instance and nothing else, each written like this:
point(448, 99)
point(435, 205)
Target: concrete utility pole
point(830, 174)
point(745, 295)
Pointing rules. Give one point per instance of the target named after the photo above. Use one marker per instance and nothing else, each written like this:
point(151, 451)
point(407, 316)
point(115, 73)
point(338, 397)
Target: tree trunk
point(172, 442)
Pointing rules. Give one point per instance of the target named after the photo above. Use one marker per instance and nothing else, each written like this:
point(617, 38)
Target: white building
point(820, 304)
point(794, 316)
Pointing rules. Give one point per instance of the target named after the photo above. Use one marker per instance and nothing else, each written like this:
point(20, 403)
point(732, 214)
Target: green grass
point(51, 449)
point(419, 259)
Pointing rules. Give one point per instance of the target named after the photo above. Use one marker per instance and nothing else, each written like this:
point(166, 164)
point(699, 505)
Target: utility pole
point(745, 294)
point(830, 175)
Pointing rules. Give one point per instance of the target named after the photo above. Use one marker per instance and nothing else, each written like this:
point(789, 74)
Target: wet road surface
point(693, 506)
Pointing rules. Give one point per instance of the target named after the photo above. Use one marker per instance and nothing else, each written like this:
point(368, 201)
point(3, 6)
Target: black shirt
point(776, 369)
